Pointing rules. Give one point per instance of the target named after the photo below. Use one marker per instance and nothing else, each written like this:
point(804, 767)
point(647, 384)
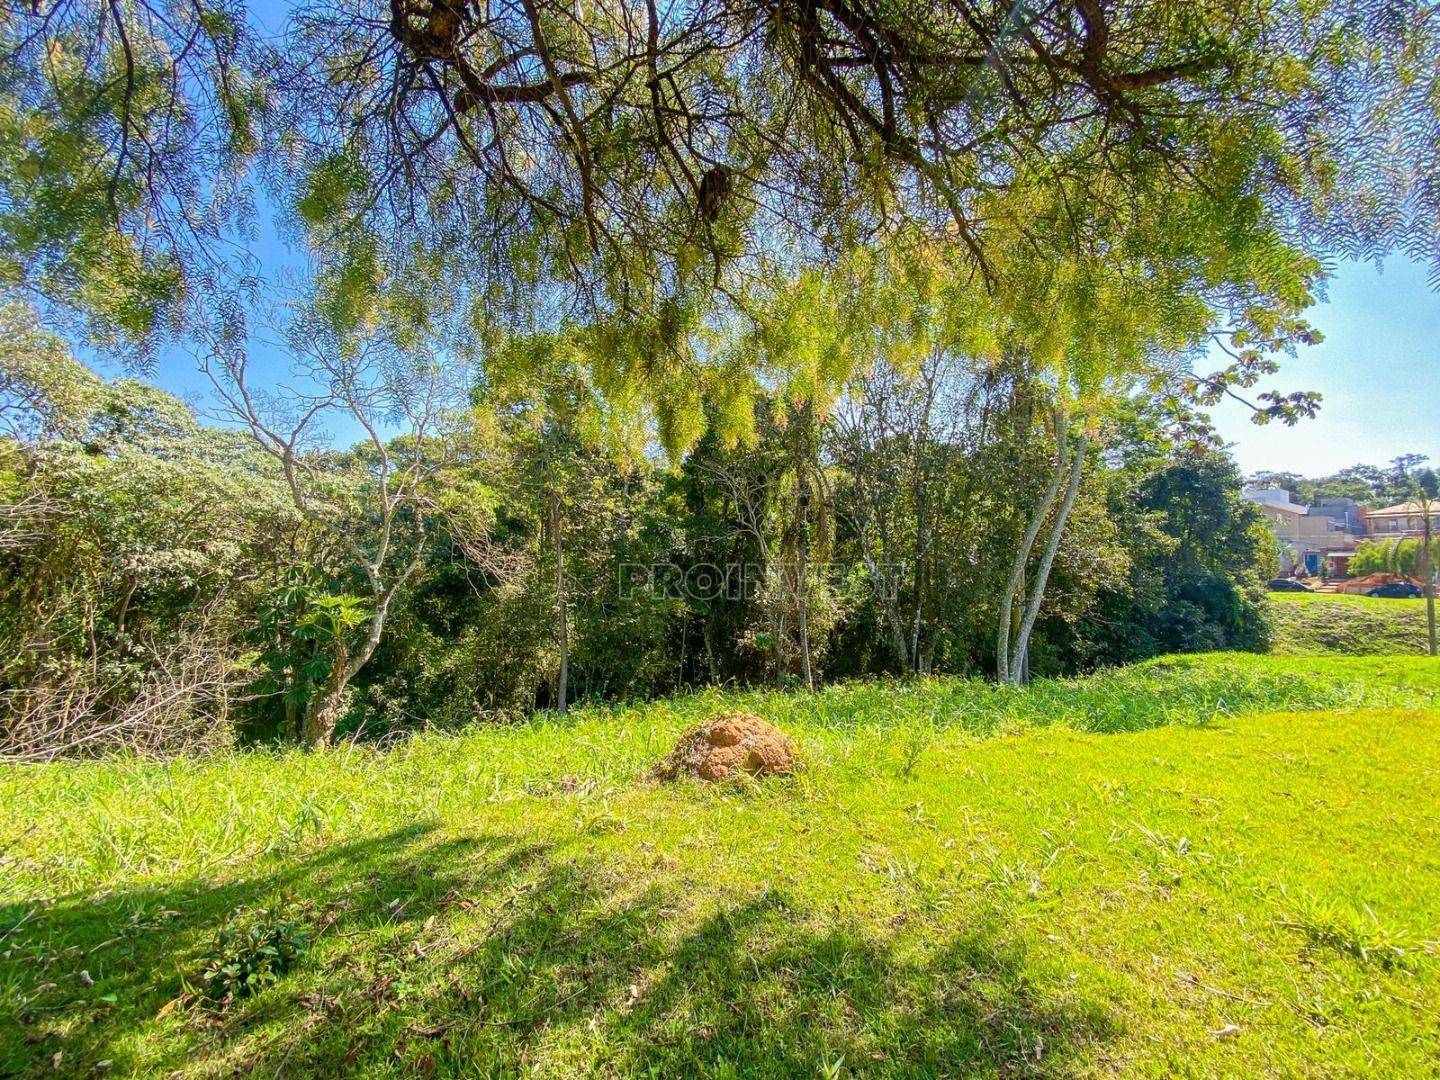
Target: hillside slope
point(1340, 625)
point(1161, 870)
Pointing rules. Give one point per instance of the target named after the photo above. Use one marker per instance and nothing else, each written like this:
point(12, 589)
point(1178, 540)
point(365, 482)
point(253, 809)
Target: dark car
point(1288, 584)
point(1397, 590)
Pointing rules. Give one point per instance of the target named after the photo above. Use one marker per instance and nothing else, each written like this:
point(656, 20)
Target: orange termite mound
point(727, 745)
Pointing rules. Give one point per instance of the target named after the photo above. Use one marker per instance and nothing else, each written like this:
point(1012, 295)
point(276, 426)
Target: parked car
point(1397, 590)
point(1288, 584)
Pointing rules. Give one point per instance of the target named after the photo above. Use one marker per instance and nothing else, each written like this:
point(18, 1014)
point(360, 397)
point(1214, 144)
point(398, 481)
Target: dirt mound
point(1370, 581)
point(1383, 579)
point(728, 744)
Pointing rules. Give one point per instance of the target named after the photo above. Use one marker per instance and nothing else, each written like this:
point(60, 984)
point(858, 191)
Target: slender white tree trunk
point(1019, 660)
point(1022, 553)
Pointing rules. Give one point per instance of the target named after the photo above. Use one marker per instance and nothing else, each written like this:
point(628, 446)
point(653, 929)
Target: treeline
point(596, 293)
point(167, 584)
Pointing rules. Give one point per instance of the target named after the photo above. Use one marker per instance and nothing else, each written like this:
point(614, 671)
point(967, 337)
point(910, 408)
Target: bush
point(250, 952)
point(1389, 556)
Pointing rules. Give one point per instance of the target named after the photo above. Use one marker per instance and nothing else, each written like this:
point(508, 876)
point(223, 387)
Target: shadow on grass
point(486, 955)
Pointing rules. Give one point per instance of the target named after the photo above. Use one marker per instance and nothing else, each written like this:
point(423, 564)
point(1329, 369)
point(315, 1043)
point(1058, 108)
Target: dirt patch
point(1361, 585)
point(727, 745)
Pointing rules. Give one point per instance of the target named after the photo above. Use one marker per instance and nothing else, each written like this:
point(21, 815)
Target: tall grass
point(101, 821)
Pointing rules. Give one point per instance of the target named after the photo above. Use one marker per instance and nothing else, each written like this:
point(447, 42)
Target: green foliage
point(251, 951)
point(297, 626)
point(460, 649)
point(328, 190)
point(124, 132)
point(44, 391)
point(135, 542)
point(1396, 556)
point(1200, 555)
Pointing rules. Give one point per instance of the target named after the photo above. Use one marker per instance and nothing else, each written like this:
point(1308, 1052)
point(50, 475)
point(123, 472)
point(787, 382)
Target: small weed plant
point(251, 951)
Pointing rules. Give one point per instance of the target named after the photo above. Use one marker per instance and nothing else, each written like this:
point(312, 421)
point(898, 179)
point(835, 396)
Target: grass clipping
point(727, 745)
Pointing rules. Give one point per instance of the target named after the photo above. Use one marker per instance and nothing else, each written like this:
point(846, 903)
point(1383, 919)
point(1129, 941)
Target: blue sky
point(1378, 369)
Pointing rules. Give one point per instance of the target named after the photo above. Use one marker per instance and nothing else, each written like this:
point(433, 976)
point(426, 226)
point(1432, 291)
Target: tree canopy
point(1118, 171)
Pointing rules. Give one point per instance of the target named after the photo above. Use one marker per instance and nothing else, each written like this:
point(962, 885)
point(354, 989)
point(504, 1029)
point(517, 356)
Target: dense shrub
point(1199, 555)
point(1391, 556)
point(134, 545)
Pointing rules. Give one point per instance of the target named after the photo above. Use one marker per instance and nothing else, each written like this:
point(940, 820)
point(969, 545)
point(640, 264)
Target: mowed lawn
point(1211, 866)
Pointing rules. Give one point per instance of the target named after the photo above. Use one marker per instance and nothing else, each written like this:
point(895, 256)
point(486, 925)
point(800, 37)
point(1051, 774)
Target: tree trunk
point(1016, 618)
point(292, 715)
point(322, 712)
point(923, 535)
point(131, 583)
point(926, 664)
point(885, 592)
point(1019, 660)
point(802, 588)
point(1022, 553)
point(1428, 578)
point(562, 615)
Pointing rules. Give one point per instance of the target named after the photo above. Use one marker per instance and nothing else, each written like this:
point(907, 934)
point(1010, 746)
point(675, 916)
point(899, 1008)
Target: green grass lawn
point(1198, 866)
point(1311, 624)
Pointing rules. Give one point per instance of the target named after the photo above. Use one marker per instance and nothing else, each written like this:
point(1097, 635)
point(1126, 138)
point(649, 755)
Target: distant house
point(1326, 535)
point(1339, 560)
point(1349, 513)
point(1401, 520)
point(1310, 537)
